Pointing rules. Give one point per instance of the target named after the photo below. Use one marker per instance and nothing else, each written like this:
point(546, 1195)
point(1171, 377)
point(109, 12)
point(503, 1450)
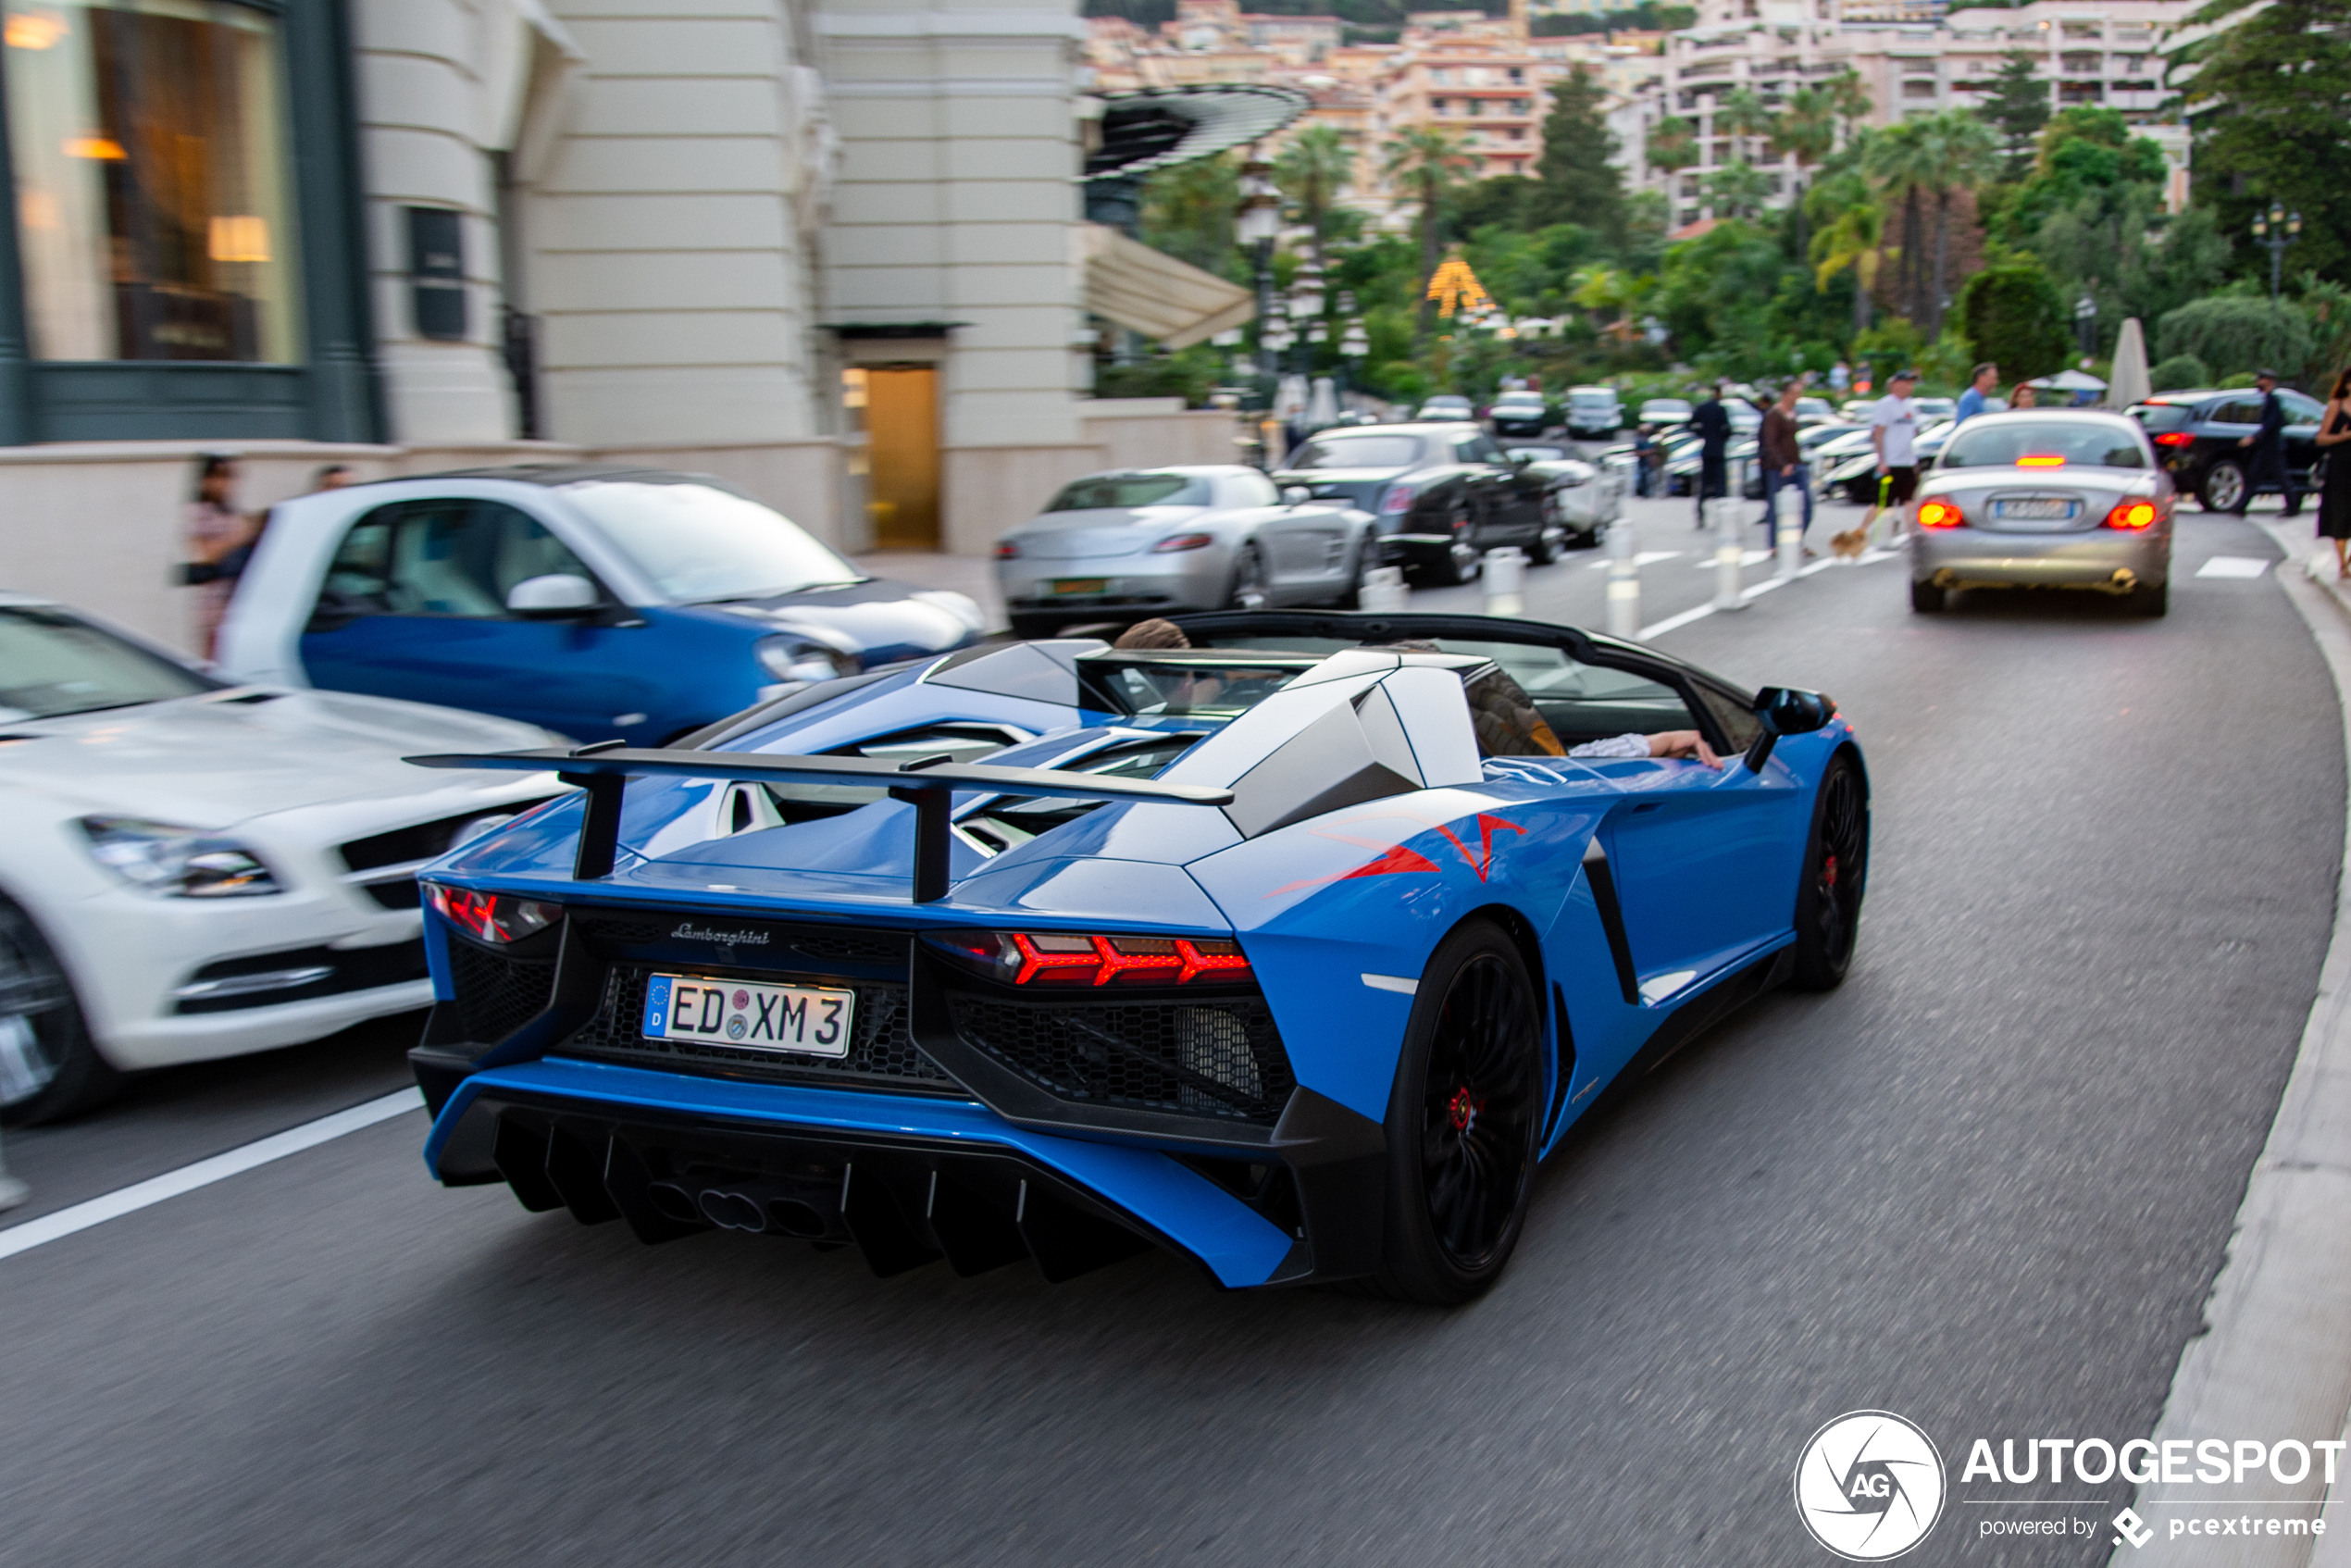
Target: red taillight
point(1176, 541)
point(1007, 551)
point(2131, 515)
point(1940, 515)
point(492, 918)
point(2175, 437)
point(1399, 498)
point(1078, 958)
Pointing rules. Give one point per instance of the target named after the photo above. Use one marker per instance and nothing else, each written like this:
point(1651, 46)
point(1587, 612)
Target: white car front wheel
point(48, 1067)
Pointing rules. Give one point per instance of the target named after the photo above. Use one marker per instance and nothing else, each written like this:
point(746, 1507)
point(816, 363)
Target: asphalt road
point(1985, 1185)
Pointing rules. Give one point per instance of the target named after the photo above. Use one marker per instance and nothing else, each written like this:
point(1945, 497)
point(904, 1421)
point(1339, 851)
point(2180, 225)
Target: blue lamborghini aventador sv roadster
point(1292, 951)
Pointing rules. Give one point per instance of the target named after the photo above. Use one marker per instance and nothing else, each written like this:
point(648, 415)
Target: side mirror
point(1296, 495)
point(553, 597)
point(1785, 709)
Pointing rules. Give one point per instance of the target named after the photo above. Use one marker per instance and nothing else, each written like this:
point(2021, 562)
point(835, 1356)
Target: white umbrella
point(2131, 384)
point(2072, 380)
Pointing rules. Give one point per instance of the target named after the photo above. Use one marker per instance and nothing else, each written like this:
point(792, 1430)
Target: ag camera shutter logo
point(1869, 1486)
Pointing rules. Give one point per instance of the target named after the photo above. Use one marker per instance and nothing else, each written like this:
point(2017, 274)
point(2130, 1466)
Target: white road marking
point(2233, 566)
point(1645, 558)
point(204, 1173)
point(1674, 623)
point(1746, 559)
point(1396, 983)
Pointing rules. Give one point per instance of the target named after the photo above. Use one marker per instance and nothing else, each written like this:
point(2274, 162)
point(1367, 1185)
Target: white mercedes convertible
point(194, 869)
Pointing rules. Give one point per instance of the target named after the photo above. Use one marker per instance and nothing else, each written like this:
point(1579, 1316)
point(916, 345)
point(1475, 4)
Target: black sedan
point(2196, 433)
point(1441, 495)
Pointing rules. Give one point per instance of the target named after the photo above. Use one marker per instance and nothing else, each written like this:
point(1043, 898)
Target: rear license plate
point(1080, 584)
point(2034, 511)
point(803, 1020)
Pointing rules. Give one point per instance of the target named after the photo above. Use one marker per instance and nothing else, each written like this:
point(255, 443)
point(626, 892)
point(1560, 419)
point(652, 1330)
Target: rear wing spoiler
point(925, 783)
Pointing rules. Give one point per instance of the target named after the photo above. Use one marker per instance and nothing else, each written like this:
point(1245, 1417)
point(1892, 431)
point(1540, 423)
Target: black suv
point(1441, 494)
point(2197, 434)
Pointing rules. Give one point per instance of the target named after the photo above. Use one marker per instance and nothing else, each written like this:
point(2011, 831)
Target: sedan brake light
point(1176, 541)
point(492, 918)
point(2175, 437)
point(2133, 515)
point(1007, 551)
point(1399, 498)
point(1078, 958)
point(1940, 515)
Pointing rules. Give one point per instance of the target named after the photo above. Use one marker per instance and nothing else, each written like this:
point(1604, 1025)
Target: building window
point(152, 199)
point(1918, 89)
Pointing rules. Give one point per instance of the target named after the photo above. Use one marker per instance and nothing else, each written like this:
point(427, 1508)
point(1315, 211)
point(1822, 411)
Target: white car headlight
point(160, 857)
point(791, 658)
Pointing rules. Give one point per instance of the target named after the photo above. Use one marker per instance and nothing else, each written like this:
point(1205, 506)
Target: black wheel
point(2224, 487)
point(1462, 1122)
point(48, 1068)
point(2152, 602)
point(1925, 598)
point(1837, 863)
point(1247, 592)
point(1545, 547)
point(1459, 564)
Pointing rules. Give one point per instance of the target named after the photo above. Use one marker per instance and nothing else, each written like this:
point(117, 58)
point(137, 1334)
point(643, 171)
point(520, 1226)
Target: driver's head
point(1152, 633)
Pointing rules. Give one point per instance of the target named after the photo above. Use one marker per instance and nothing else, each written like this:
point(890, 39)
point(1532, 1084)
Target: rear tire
point(2224, 487)
point(1926, 599)
point(1464, 1120)
point(2152, 602)
point(1247, 592)
point(1837, 863)
point(49, 1068)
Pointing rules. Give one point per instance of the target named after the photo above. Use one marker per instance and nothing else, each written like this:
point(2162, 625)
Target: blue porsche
point(1291, 951)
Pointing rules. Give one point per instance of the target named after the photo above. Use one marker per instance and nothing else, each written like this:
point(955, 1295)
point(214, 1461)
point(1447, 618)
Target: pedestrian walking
point(1840, 378)
point(1894, 434)
point(1645, 456)
point(218, 537)
point(1978, 393)
point(2334, 486)
point(2270, 470)
point(1713, 423)
point(1783, 462)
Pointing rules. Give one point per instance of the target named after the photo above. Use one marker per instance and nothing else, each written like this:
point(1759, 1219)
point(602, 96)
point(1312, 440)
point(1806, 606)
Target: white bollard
point(1790, 531)
point(1624, 580)
point(1729, 554)
point(1505, 580)
point(1383, 590)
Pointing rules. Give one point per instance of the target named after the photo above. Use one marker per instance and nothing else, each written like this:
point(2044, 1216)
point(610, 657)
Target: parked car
point(1739, 458)
point(1594, 413)
point(1146, 542)
point(1441, 495)
point(594, 600)
point(198, 869)
point(1445, 406)
point(1855, 475)
point(1054, 1005)
point(1810, 411)
point(2044, 499)
point(1931, 409)
point(1662, 412)
point(1520, 414)
point(1583, 497)
point(2196, 434)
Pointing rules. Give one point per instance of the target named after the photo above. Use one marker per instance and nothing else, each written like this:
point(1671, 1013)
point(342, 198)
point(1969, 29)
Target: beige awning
point(1151, 292)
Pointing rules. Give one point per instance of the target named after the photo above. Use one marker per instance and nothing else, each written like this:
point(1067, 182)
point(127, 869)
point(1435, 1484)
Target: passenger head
point(1152, 633)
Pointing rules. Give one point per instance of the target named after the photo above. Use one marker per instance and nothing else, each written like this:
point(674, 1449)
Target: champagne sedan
point(2044, 500)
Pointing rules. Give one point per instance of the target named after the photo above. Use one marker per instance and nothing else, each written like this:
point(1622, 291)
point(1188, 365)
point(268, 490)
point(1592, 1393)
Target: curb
point(2274, 1361)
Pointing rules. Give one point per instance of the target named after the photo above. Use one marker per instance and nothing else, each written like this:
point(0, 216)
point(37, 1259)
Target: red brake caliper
point(1828, 870)
point(1461, 1110)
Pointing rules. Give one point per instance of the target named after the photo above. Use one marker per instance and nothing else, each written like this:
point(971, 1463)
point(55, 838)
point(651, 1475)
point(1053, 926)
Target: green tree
point(1742, 114)
point(1312, 171)
point(1901, 165)
point(1715, 293)
point(2182, 372)
point(1426, 163)
point(2270, 99)
point(1580, 182)
point(1737, 190)
point(2234, 334)
point(2017, 105)
point(1850, 99)
point(2014, 316)
point(1851, 234)
point(1673, 144)
point(1804, 132)
point(2084, 148)
point(1188, 209)
point(1962, 156)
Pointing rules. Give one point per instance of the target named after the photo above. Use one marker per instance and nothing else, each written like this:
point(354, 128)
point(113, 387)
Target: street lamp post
point(2274, 231)
point(2085, 324)
point(1256, 225)
point(1306, 307)
point(1353, 344)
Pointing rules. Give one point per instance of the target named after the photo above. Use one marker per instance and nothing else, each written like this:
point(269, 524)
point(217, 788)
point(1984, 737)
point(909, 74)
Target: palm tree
point(1430, 162)
point(1673, 144)
point(1737, 190)
point(1849, 100)
point(1963, 154)
point(1852, 236)
point(1313, 170)
point(1805, 132)
point(1901, 164)
point(1743, 115)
